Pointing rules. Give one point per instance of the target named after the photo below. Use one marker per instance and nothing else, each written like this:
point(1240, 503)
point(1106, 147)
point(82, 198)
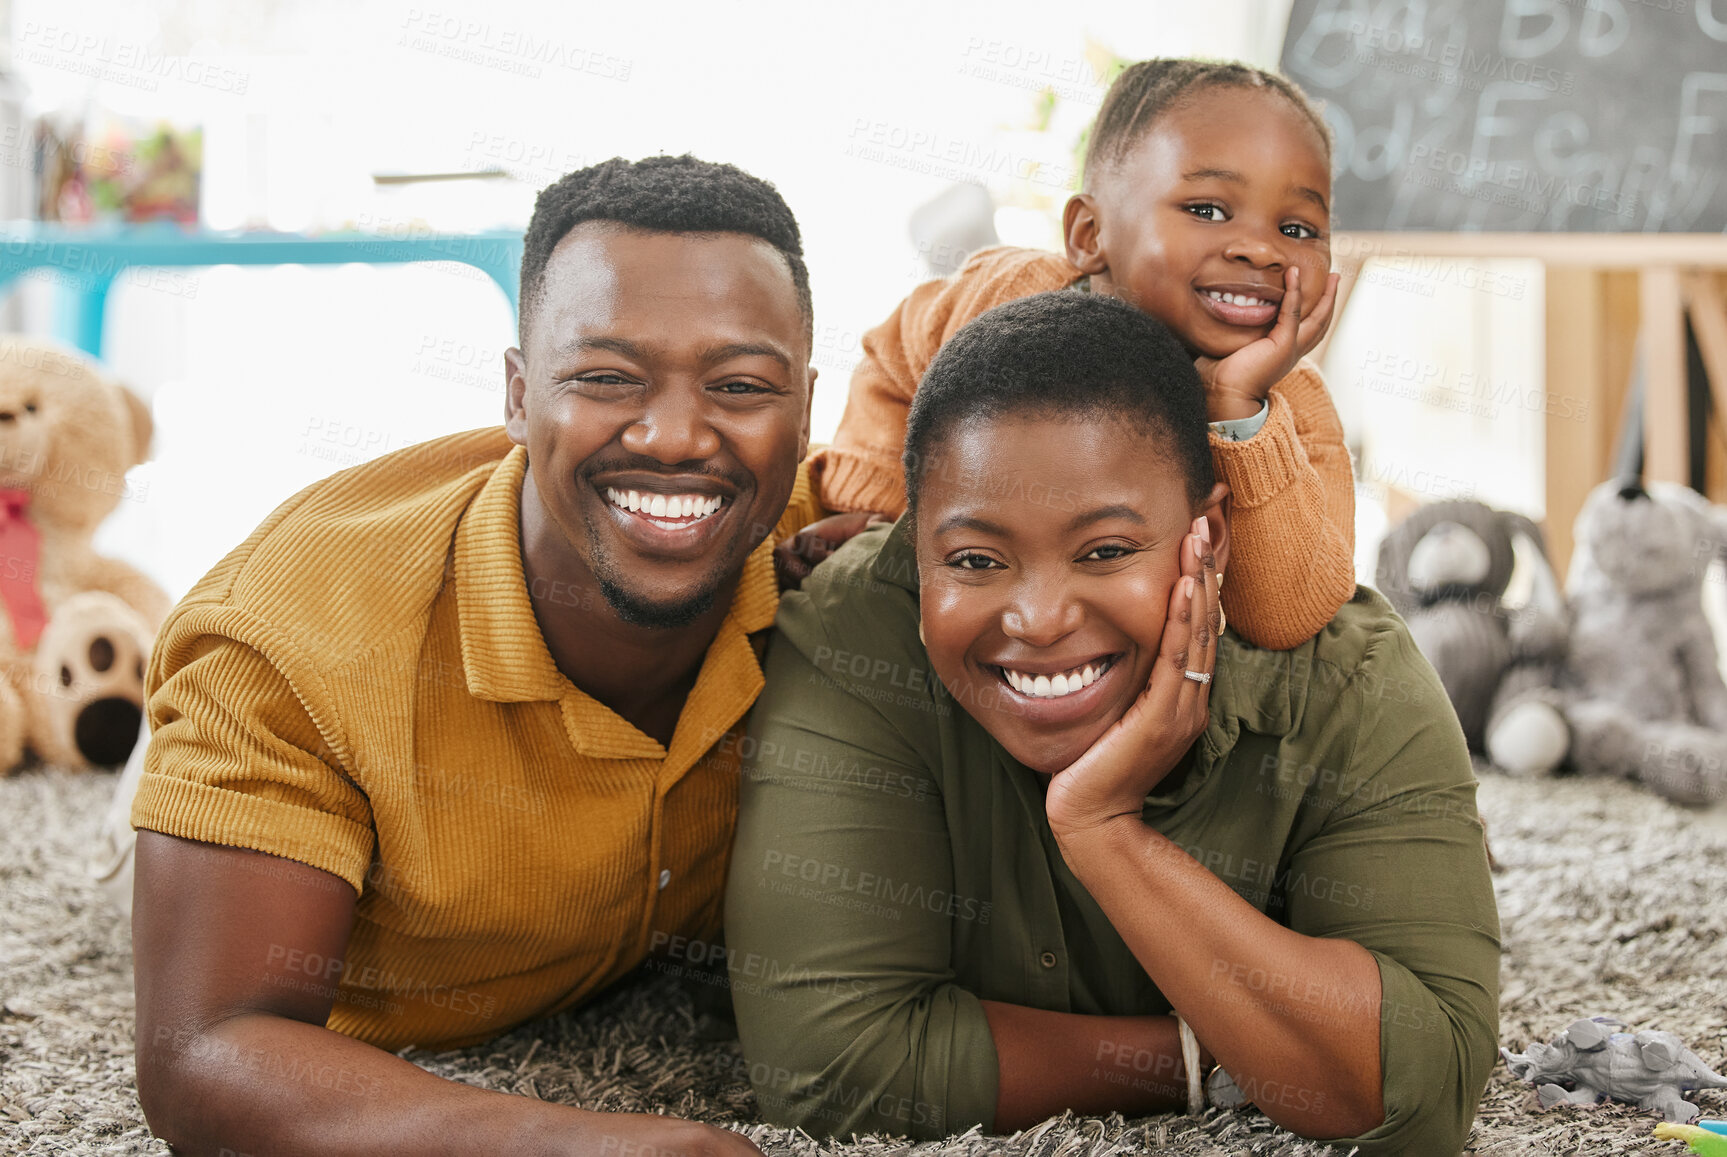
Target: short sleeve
point(237, 757)
point(1400, 867)
point(839, 913)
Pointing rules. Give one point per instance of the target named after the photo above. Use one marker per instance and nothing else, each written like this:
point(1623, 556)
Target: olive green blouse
point(894, 865)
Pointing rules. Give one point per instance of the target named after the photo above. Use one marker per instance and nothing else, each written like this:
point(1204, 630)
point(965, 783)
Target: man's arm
point(237, 958)
point(239, 952)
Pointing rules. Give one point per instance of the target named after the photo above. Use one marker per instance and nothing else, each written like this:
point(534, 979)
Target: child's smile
point(1238, 304)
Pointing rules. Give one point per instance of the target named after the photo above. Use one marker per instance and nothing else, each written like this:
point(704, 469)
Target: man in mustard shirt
point(443, 746)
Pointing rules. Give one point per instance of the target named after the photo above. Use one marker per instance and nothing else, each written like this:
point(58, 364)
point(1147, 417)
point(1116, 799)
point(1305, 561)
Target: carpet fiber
point(1612, 903)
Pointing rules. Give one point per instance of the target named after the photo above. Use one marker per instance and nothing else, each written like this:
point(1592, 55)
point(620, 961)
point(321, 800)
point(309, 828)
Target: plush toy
point(1642, 691)
point(75, 627)
point(1445, 569)
point(1650, 1070)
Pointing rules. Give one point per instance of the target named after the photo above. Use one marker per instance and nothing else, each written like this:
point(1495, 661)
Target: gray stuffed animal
point(1651, 1070)
point(1642, 688)
point(1445, 569)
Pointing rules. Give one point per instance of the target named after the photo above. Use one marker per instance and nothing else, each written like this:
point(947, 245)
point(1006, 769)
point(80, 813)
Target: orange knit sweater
point(1292, 516)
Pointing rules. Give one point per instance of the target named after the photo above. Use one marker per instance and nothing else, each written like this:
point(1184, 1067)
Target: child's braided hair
point(1147, 90)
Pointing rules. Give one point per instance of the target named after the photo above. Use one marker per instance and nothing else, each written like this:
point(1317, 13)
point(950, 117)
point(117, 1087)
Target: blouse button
point(1047, 960)
point(665, 878)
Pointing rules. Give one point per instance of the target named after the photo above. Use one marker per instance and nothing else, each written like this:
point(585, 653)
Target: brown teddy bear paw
point(90, 682)
point(14, 727)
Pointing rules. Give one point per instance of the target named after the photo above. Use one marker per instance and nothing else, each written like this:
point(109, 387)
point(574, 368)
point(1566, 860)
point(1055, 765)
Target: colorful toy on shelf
point(121, 170)
point(1650, 1069)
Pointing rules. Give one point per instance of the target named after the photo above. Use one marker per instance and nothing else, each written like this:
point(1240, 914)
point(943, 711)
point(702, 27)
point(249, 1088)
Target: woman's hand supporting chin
point(1294, 1019)
point(1110, 781)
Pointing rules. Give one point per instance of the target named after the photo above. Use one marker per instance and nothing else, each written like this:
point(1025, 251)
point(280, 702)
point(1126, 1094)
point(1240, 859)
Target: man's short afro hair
point(664, 194)
point(1063, 355)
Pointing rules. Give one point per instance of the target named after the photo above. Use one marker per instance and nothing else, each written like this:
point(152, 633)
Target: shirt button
point(665, 878)
point(1047, 960)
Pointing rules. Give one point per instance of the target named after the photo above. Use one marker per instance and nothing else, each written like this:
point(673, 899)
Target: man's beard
point(612, 578)
point(638, 612)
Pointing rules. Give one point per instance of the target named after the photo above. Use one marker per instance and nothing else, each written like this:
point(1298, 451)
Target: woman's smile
point(1062, 698)
point(1065, 681)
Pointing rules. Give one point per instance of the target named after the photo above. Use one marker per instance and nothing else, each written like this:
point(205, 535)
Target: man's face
point(663, 396)
point(1198, 223)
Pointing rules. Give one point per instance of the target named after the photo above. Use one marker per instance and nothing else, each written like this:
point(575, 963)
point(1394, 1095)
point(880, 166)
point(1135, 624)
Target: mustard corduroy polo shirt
point(362, 686)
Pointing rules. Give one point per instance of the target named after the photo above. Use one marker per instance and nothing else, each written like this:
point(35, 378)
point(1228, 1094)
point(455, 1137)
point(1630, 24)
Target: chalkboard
point(1606, 116)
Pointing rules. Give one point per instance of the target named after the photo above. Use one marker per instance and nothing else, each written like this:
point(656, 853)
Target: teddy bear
point(1641, 686)
point(1445, 569)
point(75, 626)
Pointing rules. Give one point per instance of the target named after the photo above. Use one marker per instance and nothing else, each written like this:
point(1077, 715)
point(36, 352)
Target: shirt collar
point(505, 656)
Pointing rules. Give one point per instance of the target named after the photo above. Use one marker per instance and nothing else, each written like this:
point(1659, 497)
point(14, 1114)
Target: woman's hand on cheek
point(1109, 782)
point(1236, 385)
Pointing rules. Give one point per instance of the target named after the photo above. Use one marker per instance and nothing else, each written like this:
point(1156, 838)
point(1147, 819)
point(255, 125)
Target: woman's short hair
point(1063, 355)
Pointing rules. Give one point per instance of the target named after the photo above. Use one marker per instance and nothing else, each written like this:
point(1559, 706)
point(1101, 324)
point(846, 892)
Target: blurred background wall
point(263, 380)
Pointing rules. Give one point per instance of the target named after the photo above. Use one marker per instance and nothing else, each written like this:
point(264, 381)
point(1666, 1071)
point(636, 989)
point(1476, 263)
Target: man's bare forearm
point(261, 1084)
point(231, 1060)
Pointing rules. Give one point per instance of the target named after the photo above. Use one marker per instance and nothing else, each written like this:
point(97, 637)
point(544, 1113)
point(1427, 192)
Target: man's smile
point(669, 510)
point(674, 518)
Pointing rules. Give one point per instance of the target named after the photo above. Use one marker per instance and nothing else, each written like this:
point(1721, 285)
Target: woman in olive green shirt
point(998, 823)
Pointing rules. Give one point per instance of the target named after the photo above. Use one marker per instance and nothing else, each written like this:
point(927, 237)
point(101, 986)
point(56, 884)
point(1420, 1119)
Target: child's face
point(1218, 199)
point(1048, 547)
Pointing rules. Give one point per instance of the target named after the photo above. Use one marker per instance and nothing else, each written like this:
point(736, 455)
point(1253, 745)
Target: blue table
point(87, 260)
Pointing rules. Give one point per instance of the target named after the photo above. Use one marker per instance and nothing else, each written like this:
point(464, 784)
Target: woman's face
point(1047, 550)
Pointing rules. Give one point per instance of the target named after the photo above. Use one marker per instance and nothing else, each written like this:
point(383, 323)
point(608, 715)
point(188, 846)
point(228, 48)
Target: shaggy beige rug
point(1613, 903)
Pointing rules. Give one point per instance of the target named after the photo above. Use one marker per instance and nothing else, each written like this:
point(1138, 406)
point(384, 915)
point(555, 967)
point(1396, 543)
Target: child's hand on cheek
point(1110, 781)
point(1236, 385)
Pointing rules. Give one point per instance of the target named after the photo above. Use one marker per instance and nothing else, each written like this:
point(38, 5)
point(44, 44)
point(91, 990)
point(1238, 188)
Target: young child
point(1206, 204)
